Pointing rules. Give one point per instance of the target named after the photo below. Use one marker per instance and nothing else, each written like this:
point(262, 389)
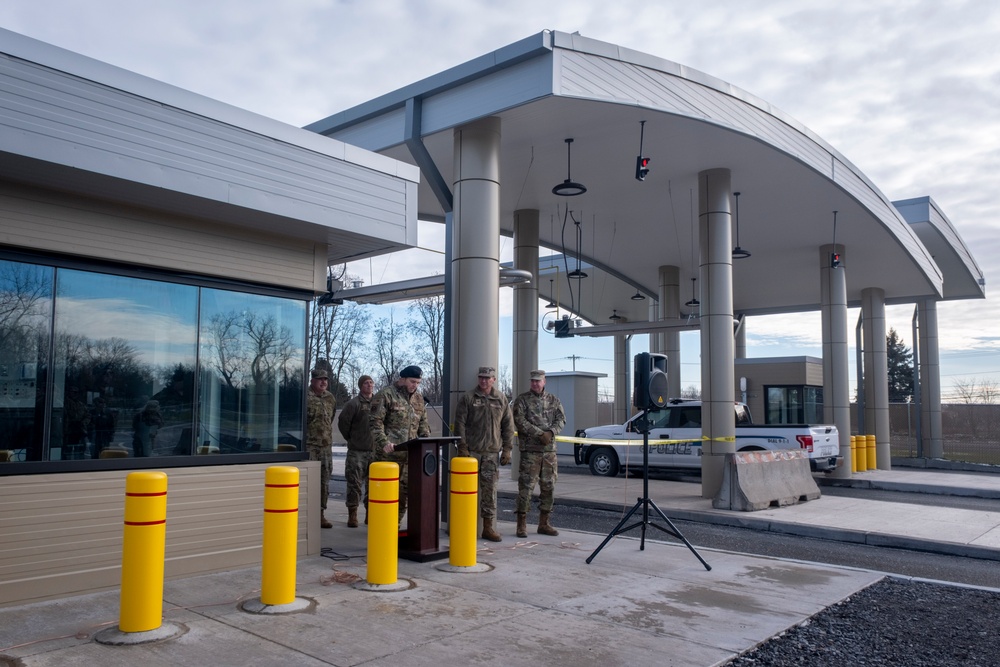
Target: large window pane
point(124, 361)
point(252, 364)
point(25, 322)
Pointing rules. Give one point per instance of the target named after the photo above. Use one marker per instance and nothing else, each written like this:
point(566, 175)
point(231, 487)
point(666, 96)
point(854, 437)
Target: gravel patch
point(892, 622)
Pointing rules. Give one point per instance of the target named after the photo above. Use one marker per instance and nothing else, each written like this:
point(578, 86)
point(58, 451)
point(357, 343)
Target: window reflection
point(25, 315)
point(253, 360)
point(98, 366)
point(124, 354)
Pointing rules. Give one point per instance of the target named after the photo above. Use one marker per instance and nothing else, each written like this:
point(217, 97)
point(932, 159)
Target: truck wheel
point(604, 462)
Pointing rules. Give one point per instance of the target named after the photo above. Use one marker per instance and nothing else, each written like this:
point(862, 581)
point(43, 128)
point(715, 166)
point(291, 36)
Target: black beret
point(411, 372)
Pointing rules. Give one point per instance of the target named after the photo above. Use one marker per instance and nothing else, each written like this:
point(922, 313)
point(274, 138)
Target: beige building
point(159, 252)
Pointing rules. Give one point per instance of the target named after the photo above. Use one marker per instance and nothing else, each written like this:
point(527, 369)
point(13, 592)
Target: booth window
point(97, 365)
point(793, 404)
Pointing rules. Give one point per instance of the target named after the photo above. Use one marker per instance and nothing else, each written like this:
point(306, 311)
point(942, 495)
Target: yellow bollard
point(383, 522)
point(464, 511)
point(281, 526)
point(143, 548)
point(871, 452)
point(854, 453)
point(862, 456)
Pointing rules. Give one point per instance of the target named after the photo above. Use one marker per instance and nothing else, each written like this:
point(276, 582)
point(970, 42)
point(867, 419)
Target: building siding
point(61, 534)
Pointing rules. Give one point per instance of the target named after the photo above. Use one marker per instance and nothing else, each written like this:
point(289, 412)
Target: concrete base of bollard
point(464, 569)
point(115, 637)
point(298, 604)
point(400, 585)
point(757, 480)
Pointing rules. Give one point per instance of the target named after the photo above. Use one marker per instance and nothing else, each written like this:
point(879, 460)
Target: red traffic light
point(641, 168)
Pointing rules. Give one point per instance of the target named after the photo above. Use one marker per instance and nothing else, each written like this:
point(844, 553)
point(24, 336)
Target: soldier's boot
point(489, 532)
point(323, 523)
point(544, 527)
point(352, 517)
point(522, 524)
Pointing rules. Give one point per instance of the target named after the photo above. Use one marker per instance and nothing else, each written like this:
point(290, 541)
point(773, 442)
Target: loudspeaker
point(649, 381)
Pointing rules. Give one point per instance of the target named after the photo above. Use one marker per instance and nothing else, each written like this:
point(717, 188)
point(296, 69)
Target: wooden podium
point(420, 541)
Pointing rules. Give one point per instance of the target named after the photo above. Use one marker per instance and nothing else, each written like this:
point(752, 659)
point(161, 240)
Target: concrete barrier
point(754, 481)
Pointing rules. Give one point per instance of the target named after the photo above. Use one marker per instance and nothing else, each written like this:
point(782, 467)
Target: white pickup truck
point(680, 420)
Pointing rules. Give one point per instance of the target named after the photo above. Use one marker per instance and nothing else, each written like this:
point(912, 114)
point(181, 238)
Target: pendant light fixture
point(738, 252)
point(615, 317)
point(693, 303)
point(569, 188)
point(638, 296)
point(551, 305)
point(578, 272)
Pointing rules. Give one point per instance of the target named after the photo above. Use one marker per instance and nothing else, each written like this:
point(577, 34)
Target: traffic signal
point(834, 260)
point(649, 381)
point(641, 168)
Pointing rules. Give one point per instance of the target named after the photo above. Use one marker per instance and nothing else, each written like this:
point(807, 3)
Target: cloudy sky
point(908, 90)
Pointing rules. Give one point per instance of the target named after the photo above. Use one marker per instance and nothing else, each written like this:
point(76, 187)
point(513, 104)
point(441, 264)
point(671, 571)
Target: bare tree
point(505, 384)
point(989, 391)
point(338, 334)
point(388, 341)
point(427, 328)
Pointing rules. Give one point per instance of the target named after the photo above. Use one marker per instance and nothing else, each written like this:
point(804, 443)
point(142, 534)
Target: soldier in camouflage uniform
point(539, 417)
point(398, 414)
point(320, 408)
point(484, 423)
point(354, 426)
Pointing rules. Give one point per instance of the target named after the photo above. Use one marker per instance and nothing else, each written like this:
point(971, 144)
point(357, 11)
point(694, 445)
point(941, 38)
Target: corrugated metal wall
point(61, 534)
point(40, 220)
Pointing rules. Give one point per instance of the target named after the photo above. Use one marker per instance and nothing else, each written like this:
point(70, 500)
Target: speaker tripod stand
point(645, 503)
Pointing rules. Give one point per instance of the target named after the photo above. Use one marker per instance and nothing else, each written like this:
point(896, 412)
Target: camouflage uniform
point(486, 426)
point(397, 416)
point(533, 415)
point(319, 437)
point(354, 426)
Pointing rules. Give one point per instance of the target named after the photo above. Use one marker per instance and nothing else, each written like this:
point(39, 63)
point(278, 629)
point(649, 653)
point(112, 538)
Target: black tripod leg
point(676, 533)
point(617, 529)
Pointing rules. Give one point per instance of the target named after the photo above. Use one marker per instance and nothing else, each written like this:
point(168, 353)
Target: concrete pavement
point(539, 603)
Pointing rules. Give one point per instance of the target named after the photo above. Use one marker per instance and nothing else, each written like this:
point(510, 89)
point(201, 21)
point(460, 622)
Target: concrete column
point(475, 263)
point(836, 385)
point(717, 374)
point(876, 365)
point(655, 343)
point(740, 350)
point(669, 298)
point(623, 392)
point(525, 299)
point(930, 381)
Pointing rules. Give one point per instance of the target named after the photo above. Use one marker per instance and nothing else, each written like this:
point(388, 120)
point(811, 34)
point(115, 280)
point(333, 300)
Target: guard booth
point(420, 542)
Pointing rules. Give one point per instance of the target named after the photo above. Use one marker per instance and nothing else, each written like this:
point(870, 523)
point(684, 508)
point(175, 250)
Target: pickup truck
point(680, 422)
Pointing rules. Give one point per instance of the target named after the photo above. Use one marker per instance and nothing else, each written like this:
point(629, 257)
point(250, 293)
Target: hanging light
point(569, 188)
point(615, 316)
point(551, 305)
point(638, 296)
point(738, 252)
point(578, 272)
point(693, 303)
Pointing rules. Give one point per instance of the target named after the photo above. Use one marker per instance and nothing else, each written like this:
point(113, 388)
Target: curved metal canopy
point(554, 86)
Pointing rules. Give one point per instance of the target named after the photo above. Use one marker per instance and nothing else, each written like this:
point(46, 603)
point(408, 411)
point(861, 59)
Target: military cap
point(487, 372)
point(411, 372)
point(537, 375)
point(320, 374)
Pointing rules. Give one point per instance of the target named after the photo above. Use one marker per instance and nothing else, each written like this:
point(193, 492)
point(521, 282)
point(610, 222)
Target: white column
point(876, 365)
point(669, 298)
point(525, 299)
point(475, 253)
point(717, 374)
point(930, 381)
point(623, 392)
point(836, 386)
